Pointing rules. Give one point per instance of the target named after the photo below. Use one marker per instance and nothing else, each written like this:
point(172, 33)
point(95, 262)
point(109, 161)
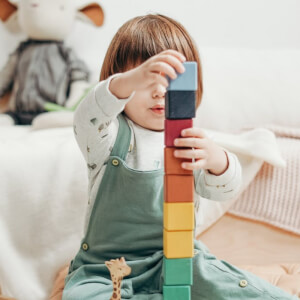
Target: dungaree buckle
point(115, 162)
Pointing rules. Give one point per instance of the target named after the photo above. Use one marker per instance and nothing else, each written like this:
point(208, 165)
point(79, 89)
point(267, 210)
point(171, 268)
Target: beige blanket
point(253, 148)
point(273, 196)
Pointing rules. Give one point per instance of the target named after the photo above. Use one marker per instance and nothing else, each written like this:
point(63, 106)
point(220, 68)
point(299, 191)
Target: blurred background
point(247, 48)
point(250, 52)
point(255, 24)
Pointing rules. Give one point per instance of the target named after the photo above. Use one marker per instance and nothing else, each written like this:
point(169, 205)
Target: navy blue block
point(180, 104)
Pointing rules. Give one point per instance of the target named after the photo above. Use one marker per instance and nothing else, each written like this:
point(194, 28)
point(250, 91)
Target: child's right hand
point(152, 71)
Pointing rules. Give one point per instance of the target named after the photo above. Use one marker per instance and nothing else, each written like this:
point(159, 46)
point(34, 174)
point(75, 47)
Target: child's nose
point(159, 92)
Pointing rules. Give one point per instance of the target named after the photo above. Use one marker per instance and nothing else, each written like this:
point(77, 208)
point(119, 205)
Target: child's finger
point(193, 131)
point(173, 61)
point(175, 53)
point(190, 142)
point(199, 164)
point(190, 153)
point(163, 68)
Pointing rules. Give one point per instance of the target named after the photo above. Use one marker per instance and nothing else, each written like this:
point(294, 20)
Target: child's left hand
point(206, 153)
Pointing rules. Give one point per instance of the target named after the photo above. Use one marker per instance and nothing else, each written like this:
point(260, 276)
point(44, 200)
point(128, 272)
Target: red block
point(173, 129)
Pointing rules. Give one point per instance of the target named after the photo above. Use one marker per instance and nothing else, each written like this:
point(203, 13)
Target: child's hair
point(145, 36)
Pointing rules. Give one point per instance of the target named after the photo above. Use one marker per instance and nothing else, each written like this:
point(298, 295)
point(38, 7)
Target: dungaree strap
point(122, 142)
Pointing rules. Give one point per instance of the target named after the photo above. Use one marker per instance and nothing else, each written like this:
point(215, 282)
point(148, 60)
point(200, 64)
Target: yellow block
point(179, 216)
point(178, 244)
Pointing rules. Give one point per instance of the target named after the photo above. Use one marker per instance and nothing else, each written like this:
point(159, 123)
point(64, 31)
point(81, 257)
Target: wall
point(212, 23)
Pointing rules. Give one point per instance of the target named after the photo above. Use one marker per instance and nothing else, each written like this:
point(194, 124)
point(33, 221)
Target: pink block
point(173, 129)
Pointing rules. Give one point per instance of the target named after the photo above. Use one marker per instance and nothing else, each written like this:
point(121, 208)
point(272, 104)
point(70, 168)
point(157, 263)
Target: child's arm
point(217, 172)
point(95, 123)
point(153, 70)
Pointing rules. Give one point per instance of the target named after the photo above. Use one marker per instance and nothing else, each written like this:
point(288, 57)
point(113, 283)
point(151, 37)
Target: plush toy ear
point(92, 13)
point(7, 9)
point(9, 15)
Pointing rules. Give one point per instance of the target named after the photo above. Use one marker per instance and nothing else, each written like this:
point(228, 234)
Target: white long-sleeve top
point(96, 127)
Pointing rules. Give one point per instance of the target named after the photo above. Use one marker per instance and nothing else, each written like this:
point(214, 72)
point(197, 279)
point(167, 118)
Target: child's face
point(147, 108)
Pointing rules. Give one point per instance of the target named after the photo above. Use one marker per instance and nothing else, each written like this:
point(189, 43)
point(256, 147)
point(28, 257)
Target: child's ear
point(91, 13)
point(9, 15)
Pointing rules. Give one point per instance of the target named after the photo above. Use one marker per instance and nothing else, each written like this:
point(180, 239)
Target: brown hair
point(145, 36)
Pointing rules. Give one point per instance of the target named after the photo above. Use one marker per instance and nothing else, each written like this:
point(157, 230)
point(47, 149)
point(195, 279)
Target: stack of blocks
point(178, 189)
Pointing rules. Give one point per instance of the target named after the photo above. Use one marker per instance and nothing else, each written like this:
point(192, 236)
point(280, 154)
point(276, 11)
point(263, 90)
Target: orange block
point(173, 164)
point(178, 244)
point(179, 188)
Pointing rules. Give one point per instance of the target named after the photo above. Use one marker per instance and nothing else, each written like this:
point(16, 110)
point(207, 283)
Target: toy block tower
point(178, 189)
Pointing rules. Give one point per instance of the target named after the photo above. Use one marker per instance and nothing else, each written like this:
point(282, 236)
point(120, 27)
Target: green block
point(178, 271)
point(177, 292)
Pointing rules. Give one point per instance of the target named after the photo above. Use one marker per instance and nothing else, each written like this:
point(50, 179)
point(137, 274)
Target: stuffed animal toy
point(42, 69)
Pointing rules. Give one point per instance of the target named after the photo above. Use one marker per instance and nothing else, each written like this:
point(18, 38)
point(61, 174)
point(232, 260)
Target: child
point(119, 129)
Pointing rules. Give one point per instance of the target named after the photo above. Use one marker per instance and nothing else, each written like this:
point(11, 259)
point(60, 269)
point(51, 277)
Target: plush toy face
point(47, 19)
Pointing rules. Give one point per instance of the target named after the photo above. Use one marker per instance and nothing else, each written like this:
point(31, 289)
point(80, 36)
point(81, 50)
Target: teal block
point(178, 271)
point(177, 292)
point(186, 81)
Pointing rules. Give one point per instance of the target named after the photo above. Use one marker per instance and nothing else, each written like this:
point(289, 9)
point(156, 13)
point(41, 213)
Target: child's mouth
point(158, 109)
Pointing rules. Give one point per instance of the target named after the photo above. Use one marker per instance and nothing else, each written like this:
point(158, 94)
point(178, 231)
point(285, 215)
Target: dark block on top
point(180, 104)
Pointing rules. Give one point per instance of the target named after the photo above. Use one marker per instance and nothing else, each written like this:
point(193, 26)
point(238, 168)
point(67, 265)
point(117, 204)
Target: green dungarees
point(127, 220)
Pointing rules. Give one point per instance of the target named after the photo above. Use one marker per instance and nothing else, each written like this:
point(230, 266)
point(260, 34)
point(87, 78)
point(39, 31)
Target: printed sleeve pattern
point(96, 125)
point(222, 187)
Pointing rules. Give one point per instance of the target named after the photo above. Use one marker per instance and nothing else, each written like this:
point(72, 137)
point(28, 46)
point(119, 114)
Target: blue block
point(186, 81)
point(177, 292)
point(180, 105)
point(178, 271)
